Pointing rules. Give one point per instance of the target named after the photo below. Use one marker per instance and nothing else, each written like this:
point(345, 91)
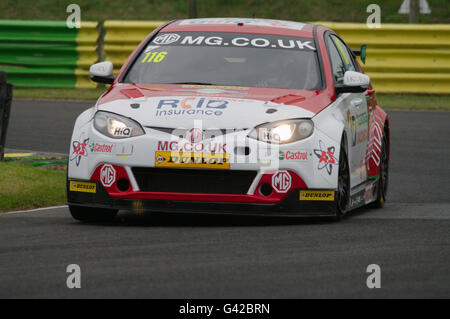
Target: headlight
point(283, 132)
point(116, 126)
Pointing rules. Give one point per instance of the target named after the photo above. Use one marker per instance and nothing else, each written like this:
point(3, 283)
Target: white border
point(32, 210)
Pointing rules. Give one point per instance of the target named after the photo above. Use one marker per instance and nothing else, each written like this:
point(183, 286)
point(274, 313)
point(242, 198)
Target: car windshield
point(255, 60)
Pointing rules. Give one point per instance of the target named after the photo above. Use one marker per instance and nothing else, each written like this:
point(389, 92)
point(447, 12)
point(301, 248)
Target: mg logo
point(195, 135)
point(281, 181)
point(166, 38)
point(107, 175)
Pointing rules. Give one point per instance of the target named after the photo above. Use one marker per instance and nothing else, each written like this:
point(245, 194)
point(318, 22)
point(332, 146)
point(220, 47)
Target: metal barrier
point(6, 92)
point(393, 36)
point(400, 58)
point(47, 53)
point(404, 60)
point(433, 83)
point(87, 42)
point(122, 37)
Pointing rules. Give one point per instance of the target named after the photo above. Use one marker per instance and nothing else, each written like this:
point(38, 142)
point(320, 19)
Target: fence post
point(192, 4)
point(6, 91)
point(414, 11)
point(101, 42)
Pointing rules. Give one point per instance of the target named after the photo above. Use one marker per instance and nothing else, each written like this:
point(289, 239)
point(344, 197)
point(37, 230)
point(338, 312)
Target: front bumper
point(129, 175)
point(290, 206)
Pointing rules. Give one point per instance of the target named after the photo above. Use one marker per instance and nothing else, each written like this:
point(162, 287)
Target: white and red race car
point(229, 115)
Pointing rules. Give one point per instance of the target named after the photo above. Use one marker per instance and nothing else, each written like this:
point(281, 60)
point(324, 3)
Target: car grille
point(193, 180)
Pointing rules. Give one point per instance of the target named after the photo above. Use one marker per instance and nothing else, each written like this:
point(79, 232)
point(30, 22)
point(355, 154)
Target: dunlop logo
point(84, 187)
point(192, 160)
point(317, 195)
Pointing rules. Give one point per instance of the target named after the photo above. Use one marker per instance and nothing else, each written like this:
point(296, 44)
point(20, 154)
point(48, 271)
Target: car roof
point(242, 25)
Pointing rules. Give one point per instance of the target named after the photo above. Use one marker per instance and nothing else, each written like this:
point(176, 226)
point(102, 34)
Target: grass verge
point(57, 94)
point(23, 186)
point(414, 101)
point(386, 101)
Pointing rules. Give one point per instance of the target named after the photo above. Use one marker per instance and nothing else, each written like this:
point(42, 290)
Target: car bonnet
point(178, 106)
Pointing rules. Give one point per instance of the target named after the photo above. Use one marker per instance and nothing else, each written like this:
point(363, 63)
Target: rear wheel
point(382, 185)
point(91, 214)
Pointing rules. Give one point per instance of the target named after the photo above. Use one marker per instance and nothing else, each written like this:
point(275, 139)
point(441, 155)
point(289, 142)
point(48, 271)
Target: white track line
point(33, 210)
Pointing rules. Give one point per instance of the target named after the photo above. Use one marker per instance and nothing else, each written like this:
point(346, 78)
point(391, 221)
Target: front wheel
point(91, 214)
point(343, 192)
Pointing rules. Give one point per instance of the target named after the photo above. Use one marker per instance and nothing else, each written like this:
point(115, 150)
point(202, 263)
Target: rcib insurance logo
point(107, 175)
point(281, 181)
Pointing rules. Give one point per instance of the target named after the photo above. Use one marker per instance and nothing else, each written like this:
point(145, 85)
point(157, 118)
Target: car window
point(255, 60)
point(337, 64)
point(345, 54)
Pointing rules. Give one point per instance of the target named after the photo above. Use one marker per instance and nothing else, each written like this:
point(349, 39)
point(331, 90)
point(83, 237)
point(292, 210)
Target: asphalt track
point(159, 256)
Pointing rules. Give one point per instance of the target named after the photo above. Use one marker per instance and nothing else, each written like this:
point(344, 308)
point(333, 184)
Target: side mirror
point(354, 82)
point(361, 53)
point(102, 72)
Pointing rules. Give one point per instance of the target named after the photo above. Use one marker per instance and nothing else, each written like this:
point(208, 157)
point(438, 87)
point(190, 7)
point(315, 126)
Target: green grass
point(386, 101)
point(57, 94)
point(414, 101)
point(23, 186)
point(298, 10)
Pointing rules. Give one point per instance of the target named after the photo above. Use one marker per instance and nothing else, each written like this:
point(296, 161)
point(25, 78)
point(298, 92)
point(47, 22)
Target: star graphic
point(79, 150)
point(326, 157)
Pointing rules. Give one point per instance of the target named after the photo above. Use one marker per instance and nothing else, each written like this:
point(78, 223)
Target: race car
point(231, 115)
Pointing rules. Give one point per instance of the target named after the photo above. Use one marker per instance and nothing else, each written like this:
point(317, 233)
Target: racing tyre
point(91, 214)
point(382, 185)
point(343, 193)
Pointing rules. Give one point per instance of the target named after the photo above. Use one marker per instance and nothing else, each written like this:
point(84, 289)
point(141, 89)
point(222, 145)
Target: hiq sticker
point(122, 132)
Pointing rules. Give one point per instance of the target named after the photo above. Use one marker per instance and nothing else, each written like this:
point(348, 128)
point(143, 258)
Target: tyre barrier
point(6, 93)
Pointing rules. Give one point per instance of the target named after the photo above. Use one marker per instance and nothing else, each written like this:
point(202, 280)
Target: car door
point(354, 106)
